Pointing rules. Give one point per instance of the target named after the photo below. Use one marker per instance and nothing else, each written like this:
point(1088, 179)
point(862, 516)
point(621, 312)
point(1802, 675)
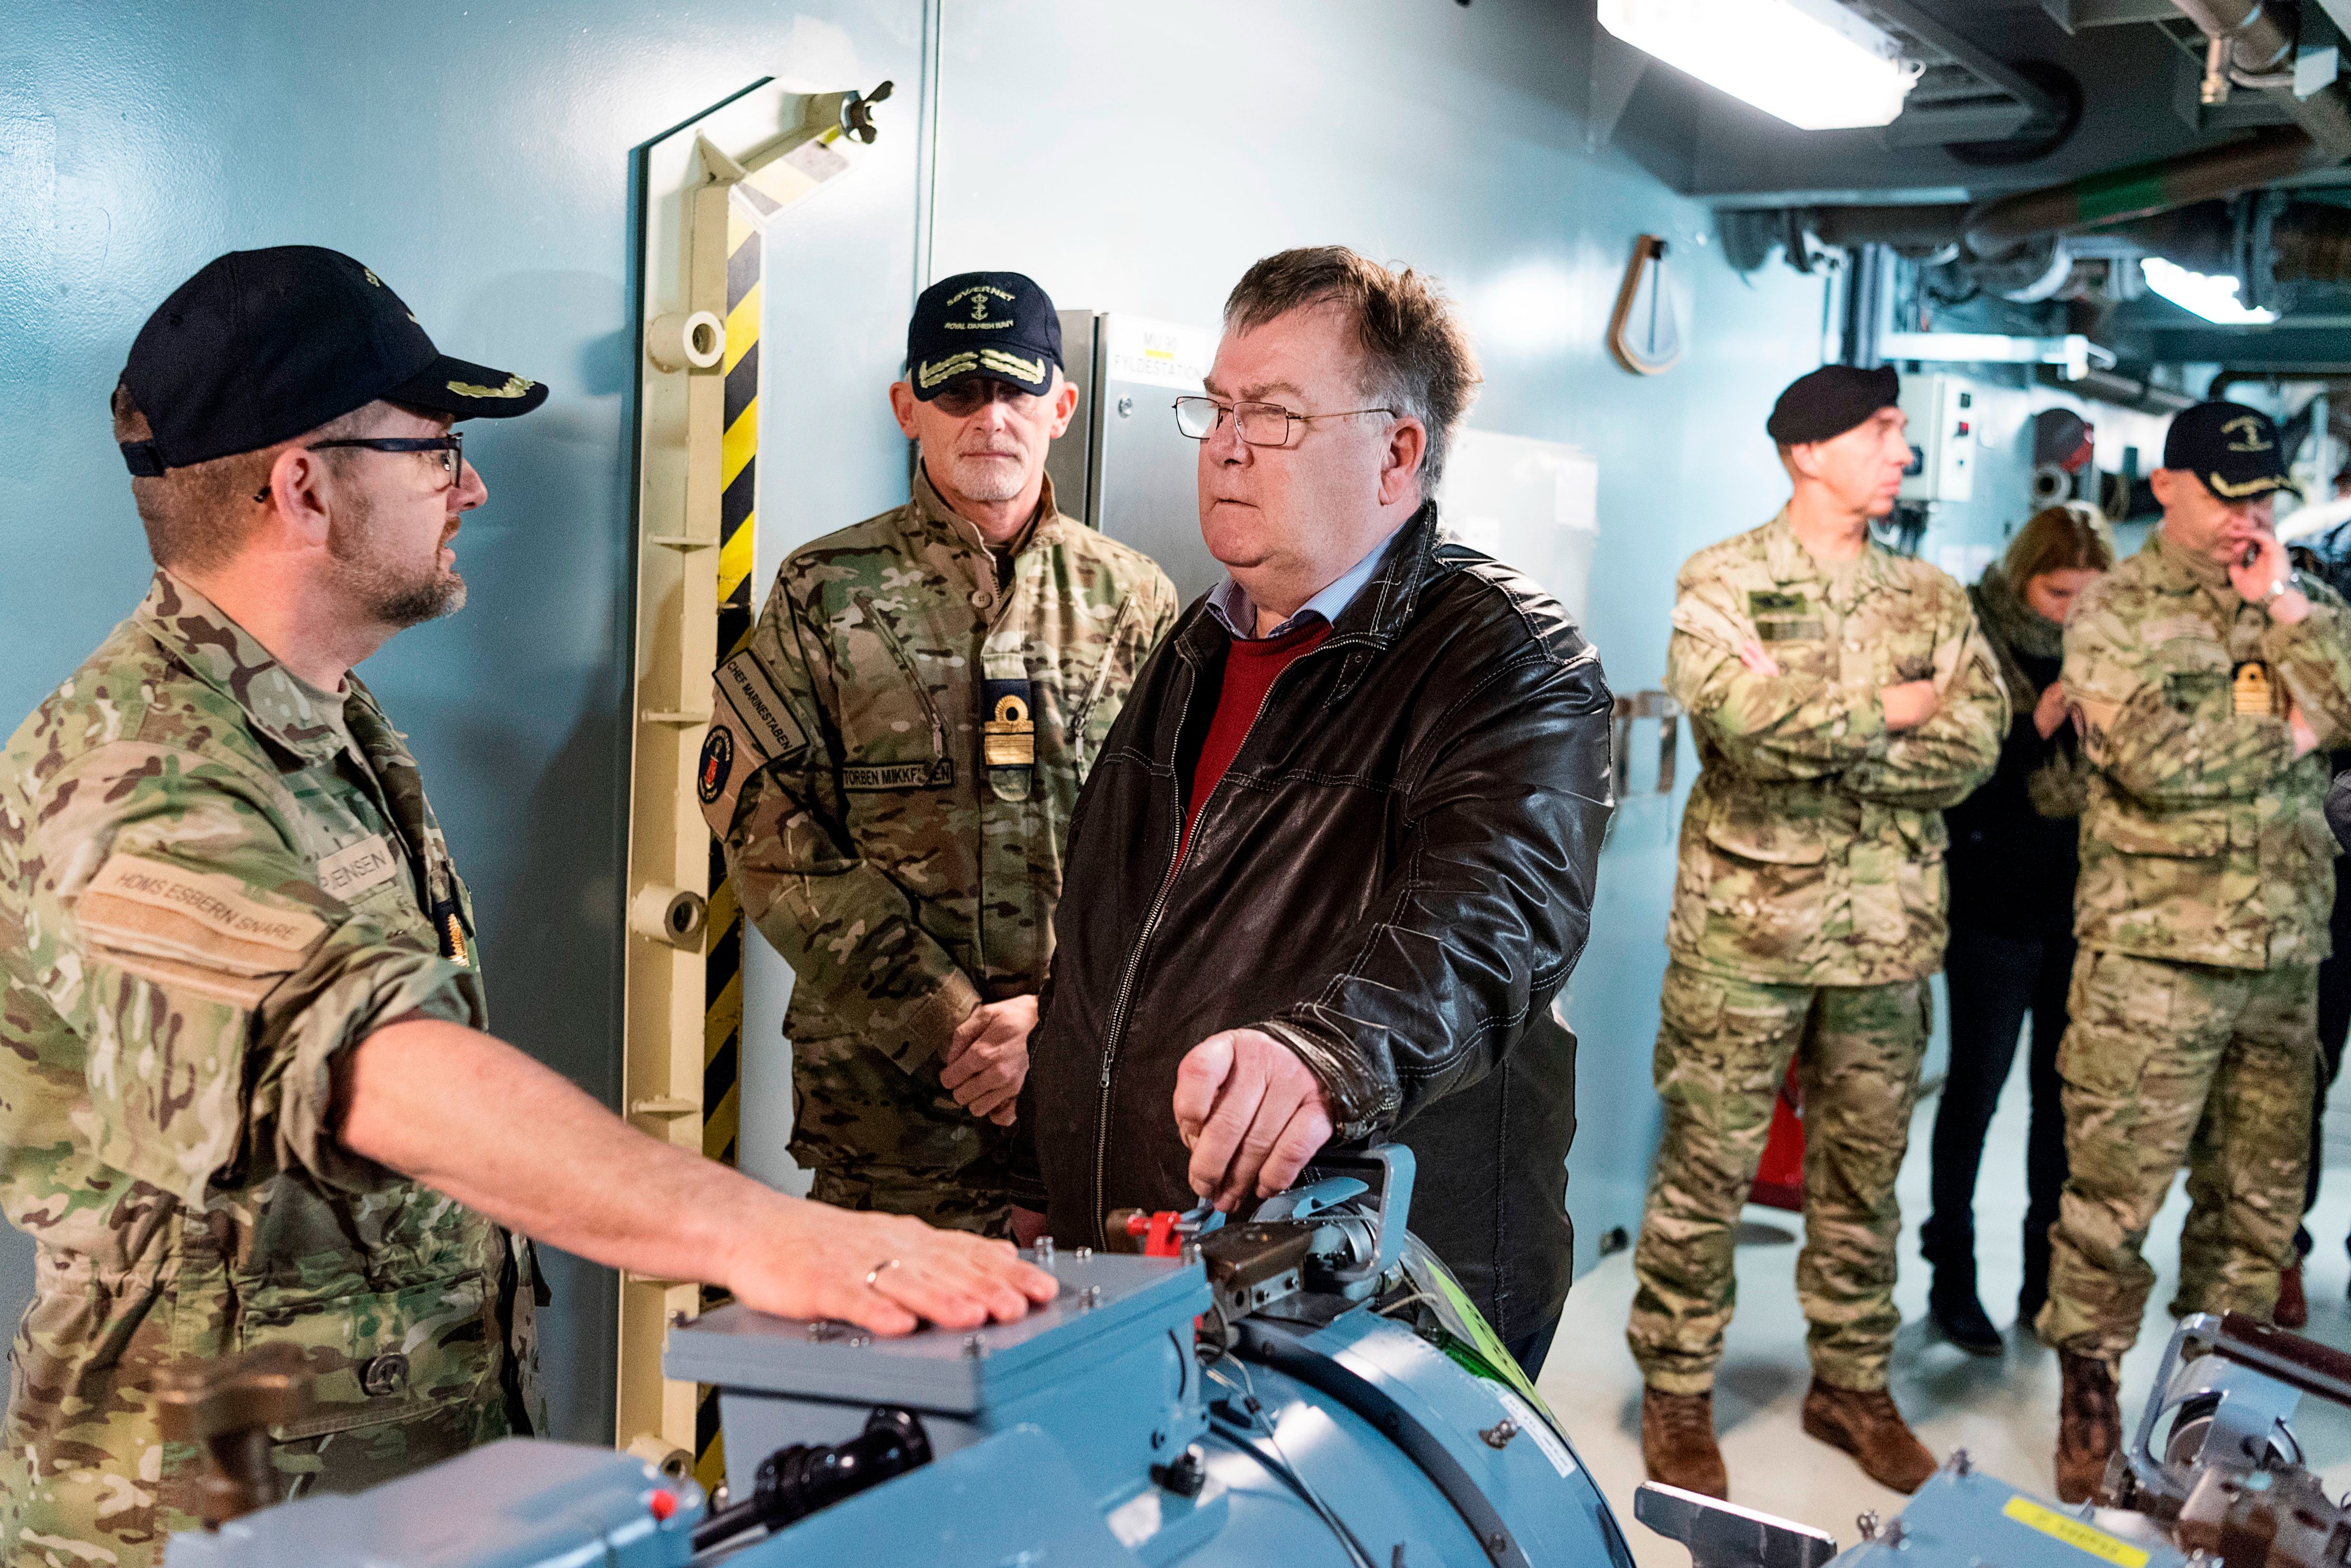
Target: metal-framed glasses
point(1261, 423)
point(449, 452)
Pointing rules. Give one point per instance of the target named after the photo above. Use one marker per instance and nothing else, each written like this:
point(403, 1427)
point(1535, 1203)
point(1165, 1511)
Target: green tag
point(1761, 604)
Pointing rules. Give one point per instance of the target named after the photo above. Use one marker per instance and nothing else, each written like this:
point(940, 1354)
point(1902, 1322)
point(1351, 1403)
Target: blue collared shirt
point(1229, 602)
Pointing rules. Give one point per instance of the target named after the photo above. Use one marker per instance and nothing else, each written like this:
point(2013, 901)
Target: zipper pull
point(1105, 1072)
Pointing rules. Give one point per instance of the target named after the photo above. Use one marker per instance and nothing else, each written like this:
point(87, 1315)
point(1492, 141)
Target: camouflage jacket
point(891, 770)
point(2205, 840)
point(1812, 849)
point(213, 879)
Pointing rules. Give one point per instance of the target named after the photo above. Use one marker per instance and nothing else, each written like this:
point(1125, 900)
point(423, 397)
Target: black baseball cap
point(1823, 404)
point(261, 346)
point(2234, 449)
point(997, 325)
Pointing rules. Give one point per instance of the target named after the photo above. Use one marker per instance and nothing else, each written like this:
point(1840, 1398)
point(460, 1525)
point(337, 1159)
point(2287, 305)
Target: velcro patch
point(192, 930)
point(2171, 628)
point(220, 905)
point(937, 774)
point(768, 726)
point(356, 870)
point(1780, 629)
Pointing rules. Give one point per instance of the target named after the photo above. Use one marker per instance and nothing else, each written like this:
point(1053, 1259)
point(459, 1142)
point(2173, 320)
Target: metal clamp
point(1644, 705)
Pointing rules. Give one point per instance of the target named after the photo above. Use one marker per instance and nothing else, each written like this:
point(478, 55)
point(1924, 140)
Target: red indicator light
point(1963, 427)
point(664, 1504)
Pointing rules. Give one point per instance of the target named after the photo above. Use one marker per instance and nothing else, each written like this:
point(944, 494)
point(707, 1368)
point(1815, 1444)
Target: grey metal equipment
point(1723, 1535)
point(1303, 1387)
point(2212, 1478)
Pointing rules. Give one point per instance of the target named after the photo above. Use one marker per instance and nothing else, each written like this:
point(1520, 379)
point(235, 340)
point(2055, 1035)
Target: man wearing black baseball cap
point(2209, 675)
point(895, 757)
point(248, 1095)
point(1840, 696)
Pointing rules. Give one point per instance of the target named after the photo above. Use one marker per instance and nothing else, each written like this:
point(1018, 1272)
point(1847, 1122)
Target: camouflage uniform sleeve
point(2314, 657)
point(2161, 745)
point(1164, 608)
point(1940, 762)
point(185, 939)
point(846, 928)
point(1770, 727)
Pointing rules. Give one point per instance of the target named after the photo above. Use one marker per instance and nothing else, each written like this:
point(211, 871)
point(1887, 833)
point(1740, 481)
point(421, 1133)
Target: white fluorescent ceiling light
point(2214, 299)
point(1812, 62)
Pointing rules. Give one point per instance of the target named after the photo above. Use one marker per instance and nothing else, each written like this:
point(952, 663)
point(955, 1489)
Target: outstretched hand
point(1251, 1113)
point(811, 1260)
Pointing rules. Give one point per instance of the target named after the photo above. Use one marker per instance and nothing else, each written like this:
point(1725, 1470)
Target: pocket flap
point(2185, 835)
point(1773, 843)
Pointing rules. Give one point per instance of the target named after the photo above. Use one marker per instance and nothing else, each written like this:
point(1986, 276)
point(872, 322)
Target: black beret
point(2234, 449)
point(1831, 400)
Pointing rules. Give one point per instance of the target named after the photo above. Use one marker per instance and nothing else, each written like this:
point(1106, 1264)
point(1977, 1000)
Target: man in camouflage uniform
point(244, 1100)
point(2208, 675)
point(1840, 696)
point(895, 754)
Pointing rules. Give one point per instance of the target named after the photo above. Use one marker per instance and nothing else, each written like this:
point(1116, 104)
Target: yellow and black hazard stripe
point(722, 1022)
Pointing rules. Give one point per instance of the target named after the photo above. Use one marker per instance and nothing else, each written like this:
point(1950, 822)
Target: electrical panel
point(1942, 411)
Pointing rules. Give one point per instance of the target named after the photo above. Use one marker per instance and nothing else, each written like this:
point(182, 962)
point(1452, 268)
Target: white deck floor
point(2003, 1411)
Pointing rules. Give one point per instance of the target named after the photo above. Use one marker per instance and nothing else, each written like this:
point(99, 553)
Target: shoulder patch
point(192, 929)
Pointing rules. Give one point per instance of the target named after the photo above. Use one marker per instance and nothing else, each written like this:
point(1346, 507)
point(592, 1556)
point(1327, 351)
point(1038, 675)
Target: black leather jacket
point(1394, 877)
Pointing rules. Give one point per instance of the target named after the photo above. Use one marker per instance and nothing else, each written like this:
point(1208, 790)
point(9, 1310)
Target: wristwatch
point(2291, 580)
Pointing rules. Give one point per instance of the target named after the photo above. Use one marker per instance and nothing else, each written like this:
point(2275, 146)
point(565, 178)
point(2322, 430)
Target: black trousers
point(2334, 1023)
point(1993, 982)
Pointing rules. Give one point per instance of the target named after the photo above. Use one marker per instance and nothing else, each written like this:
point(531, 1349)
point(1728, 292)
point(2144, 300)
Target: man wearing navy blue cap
point(2211, 677)
point(245, 1097)
point(895, 754)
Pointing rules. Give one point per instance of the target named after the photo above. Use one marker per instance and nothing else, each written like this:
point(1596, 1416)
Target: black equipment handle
point(795, 1482)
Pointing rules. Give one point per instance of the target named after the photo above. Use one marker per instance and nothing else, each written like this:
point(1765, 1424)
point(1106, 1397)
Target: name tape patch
point(767, 725)
point(358, 869)
point(2074, 1534)
point(899, 776)
point(218, 903)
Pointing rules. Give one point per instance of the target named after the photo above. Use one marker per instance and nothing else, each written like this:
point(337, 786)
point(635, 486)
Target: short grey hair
point(1417, 357)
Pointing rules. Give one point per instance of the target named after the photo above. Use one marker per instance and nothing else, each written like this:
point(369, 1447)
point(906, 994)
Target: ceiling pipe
point(2258, 47)
point(2253, 42)
point(2140, 189)
point(2119, 390)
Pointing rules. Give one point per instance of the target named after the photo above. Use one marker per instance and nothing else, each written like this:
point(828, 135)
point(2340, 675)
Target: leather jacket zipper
point(1114, 1031)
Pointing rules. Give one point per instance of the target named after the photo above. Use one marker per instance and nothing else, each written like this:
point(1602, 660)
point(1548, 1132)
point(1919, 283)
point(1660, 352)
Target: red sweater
point(1249, 670)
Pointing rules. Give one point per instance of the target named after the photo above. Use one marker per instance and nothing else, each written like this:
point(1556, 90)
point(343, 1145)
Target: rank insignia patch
point(1009, 734)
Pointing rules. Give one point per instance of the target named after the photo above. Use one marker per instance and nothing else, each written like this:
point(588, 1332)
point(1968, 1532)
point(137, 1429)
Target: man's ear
point(295, 514)
point(2165, 483)
point(1065, 403)
point(902, 404)
point(1400, 464)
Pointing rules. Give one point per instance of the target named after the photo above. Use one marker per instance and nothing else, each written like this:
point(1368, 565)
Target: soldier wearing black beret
point(1840, 696)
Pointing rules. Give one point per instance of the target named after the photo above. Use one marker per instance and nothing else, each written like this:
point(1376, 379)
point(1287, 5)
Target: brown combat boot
point(2089, 1425)
point(1867, 1426)
point(1678, 1442)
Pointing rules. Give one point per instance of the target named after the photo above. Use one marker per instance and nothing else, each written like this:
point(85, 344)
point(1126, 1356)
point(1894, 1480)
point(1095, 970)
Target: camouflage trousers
point(927, 1195)
point(2165, 1064)
point(1723, 1047)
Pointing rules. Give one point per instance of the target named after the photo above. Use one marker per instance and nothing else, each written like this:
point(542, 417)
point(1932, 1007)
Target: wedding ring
point(878, 1269)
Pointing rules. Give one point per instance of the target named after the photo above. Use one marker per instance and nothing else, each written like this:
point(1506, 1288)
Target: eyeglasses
point(1261, 423)
point(451, 447)
point(968, 398)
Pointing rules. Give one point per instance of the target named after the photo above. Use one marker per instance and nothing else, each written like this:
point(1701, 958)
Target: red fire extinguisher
point(1780, 1177)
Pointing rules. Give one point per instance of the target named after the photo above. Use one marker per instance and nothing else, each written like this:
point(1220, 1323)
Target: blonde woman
point(2011, 867)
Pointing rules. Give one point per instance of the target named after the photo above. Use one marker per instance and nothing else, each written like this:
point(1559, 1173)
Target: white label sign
point(1156, 354)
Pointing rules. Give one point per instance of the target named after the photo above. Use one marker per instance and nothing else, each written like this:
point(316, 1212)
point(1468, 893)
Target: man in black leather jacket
point(1336, 858)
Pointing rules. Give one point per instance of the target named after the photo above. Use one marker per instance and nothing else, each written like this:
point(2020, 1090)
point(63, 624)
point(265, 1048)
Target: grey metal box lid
point(952, 1371)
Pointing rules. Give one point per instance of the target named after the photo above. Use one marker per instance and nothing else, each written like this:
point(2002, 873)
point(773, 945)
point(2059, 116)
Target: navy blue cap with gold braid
point(997, 325)
point(261, 346)
point(2234, 449)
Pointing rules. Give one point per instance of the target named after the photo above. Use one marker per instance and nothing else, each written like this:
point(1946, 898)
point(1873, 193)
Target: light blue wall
point(476, 153)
